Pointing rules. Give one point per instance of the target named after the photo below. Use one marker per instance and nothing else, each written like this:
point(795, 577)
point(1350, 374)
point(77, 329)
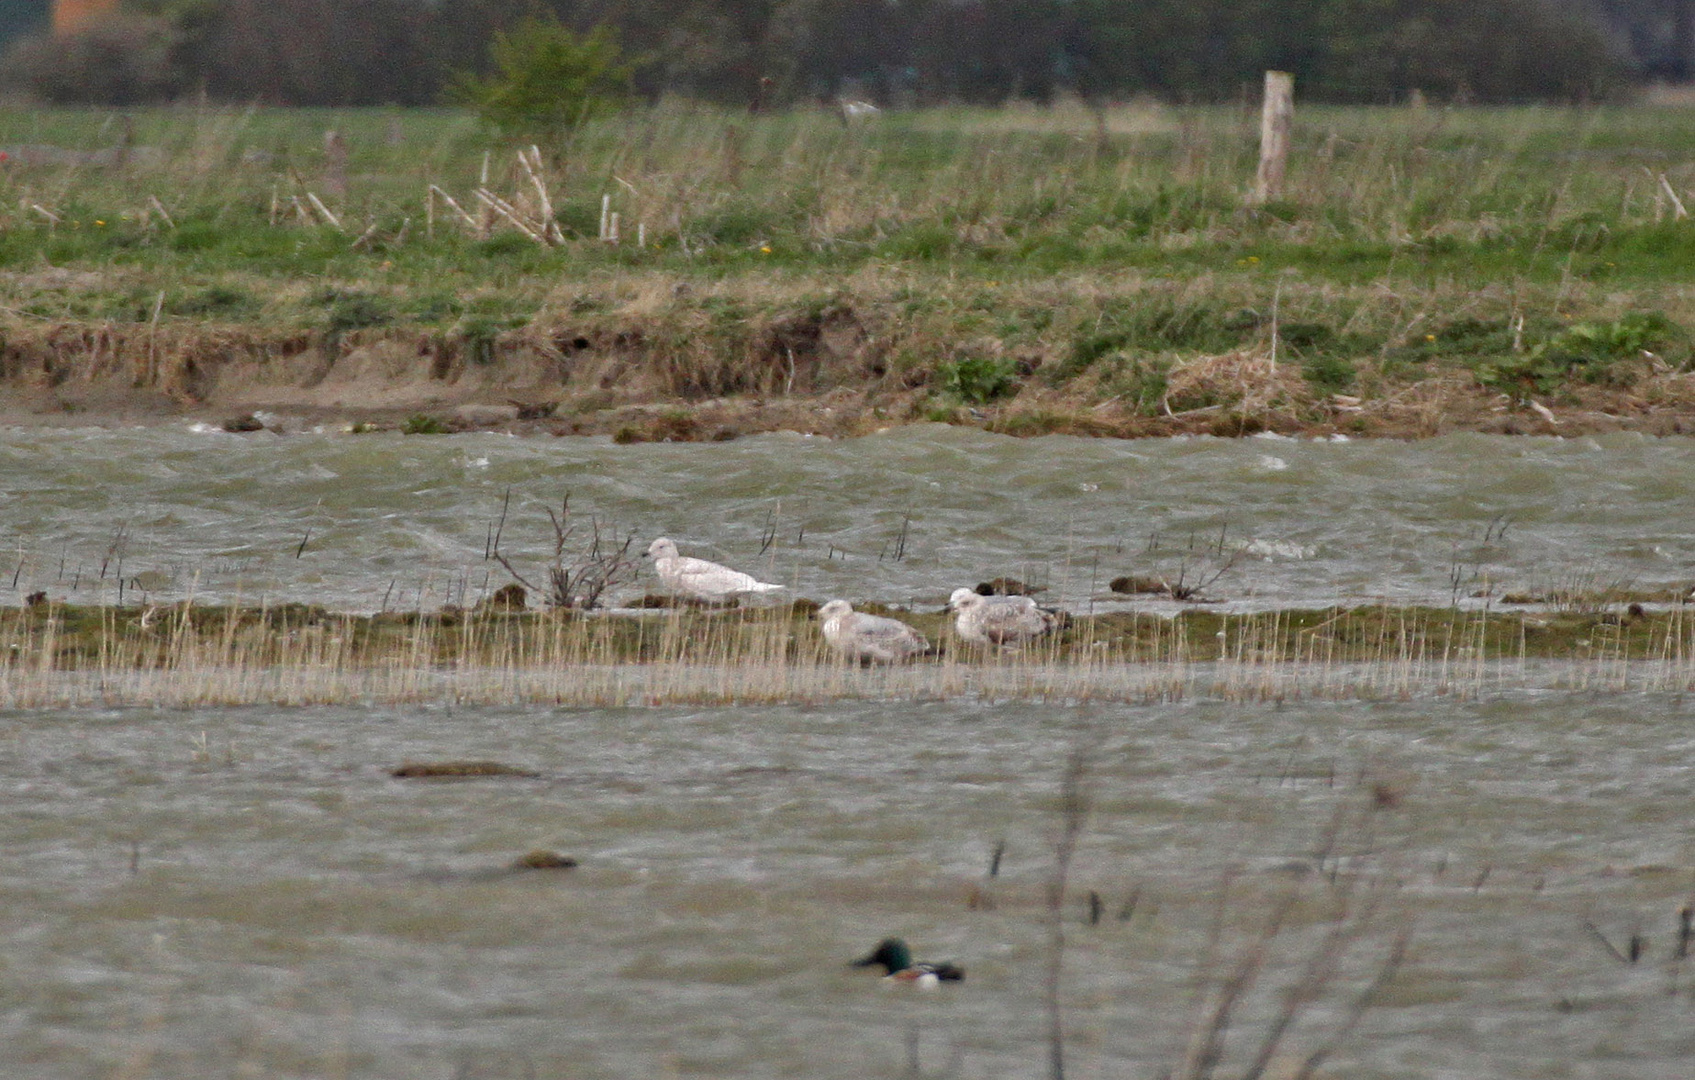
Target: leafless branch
point(1391, 964)
point(1074, 809)
point(575, 579)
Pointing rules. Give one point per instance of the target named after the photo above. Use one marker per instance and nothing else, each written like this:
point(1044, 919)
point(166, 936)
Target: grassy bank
point(1030, 270)
point(189, 654)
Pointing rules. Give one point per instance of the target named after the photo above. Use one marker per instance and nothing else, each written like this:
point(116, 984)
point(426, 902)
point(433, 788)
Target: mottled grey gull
point(869, 637)
point(999, 620)
point(699, 578)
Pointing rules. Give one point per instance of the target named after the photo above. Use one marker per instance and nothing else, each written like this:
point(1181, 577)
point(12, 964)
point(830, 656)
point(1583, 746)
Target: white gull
point(869, 637)
point(699, 578)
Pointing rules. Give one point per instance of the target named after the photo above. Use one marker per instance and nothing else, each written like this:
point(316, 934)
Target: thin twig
point(1208, 1046)
point(450, 201)
point(1391, 964)
point(324, 211)
point(1602, 938)
point(159, 208)
point(1074, 808)
point(504, 209)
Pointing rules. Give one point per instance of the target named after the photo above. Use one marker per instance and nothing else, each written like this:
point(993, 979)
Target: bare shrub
point(581, 569)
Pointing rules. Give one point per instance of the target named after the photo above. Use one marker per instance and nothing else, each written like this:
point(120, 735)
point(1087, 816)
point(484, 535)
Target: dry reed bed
point(184, 656)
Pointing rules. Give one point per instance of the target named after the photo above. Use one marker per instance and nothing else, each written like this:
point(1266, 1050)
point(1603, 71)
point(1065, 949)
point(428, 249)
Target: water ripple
point(1369, 520)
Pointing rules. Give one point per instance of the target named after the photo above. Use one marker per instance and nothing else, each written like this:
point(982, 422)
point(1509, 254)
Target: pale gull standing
point(1000, 620)
point(869, 637)
point(700, 579)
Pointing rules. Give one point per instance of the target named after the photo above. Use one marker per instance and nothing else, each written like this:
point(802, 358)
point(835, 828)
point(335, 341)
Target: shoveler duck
point(896, 960)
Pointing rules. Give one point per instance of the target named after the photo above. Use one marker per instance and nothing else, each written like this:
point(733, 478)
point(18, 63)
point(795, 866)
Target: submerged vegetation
point(1026, 269)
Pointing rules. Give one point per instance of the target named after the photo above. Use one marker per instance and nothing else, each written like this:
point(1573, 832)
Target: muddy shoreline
point(827, 377)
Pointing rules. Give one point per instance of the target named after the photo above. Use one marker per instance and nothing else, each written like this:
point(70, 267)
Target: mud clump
point(449, 770)
point(1006, 586)
point(240, 424)
point(535, 410)
point(542, 859)
point(672, 425)
point(511, 597)
point(1133, 585)
point(658, 602)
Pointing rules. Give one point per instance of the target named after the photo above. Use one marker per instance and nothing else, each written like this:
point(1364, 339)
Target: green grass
point(1372, 192)
point(1406, 240)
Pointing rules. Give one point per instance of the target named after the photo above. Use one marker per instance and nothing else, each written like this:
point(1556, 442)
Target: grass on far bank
point(963, 258)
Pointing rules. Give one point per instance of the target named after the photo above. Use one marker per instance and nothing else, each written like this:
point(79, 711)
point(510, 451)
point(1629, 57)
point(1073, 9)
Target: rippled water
point(405, 520)
point(248, 892)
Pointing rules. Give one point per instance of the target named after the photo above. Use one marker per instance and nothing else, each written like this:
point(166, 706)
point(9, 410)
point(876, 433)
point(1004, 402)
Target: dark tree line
point(897, 52)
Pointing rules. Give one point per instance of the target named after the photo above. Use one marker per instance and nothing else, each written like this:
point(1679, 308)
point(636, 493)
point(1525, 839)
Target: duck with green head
point(896, 960)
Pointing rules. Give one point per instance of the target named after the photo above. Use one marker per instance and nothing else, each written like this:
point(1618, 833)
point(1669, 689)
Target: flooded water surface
point(1474, 884)
point(360, 522)
point(250, 892)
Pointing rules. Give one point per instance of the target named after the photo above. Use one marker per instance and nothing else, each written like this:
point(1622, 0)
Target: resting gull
point(701, 579)
point(869, 637)
point(1000, 620)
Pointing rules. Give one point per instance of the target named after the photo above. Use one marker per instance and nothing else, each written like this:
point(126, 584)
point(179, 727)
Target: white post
point(1277, 117)
point(485, 222)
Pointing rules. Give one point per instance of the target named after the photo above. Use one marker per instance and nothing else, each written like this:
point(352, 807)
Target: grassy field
point(1029, 269)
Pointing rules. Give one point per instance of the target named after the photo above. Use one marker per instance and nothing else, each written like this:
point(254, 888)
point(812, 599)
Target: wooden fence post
point(335, 164)
point(1277, 116)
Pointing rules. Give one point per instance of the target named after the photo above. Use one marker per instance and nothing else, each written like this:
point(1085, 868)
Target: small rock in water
point(542, 859)
point(248, 422)
point(438, 770)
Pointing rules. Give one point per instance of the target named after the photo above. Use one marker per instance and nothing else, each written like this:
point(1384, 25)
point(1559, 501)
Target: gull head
point(963, 599)
point(835, 609)
point(662, 548)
